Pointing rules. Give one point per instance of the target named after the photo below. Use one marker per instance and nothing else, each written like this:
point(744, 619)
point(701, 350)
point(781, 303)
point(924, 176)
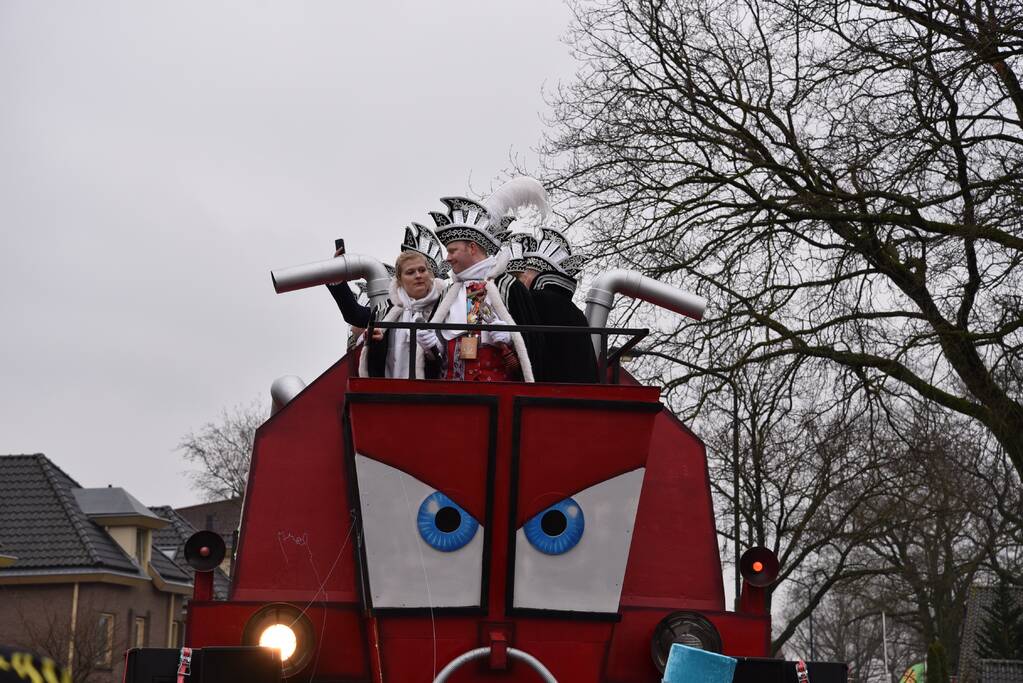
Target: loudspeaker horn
point(759, 566)
point(204, 550)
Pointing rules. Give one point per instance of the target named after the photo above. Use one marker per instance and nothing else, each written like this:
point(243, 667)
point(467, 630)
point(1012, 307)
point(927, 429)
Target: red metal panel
point(574, 651)
point(674, 550)
point(296, 528)
point(444, 445)
point(564, 450)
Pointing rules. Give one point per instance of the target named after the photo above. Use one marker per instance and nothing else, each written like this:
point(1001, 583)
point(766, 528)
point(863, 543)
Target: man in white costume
point(480, 293)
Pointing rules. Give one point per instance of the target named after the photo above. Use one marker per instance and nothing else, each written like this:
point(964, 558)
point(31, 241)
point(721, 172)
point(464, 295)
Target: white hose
point(481, 652)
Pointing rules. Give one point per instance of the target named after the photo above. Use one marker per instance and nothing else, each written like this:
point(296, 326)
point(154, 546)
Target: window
point(176, 635)
point(141, 538)
point(140, 632)
point(105, 640)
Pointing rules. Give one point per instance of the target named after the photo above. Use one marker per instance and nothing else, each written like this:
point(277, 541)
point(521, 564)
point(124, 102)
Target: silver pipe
point(337, 269)
point(283, 390)
point(481, 652)
point(533, 662)
point(601, 294)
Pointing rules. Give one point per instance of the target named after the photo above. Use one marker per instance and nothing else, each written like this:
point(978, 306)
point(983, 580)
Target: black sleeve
point(352, 311)
point(520, 305)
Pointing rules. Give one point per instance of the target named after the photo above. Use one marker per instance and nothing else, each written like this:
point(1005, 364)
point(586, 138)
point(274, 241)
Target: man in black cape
point(549, 270)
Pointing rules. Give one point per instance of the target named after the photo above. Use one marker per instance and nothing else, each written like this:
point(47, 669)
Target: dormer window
point(141, 545)
point(128, 522)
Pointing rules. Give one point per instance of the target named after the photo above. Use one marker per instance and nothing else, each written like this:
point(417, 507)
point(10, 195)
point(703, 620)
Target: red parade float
point(405, 530)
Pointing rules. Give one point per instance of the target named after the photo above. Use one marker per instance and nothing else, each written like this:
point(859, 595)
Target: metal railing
point(603, 359)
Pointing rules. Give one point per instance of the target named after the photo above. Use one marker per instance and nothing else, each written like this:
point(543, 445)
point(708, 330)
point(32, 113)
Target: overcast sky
point(157, 160)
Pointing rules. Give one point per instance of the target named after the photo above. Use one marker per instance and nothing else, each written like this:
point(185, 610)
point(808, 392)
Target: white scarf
point(476, 272)
point(443, 312)
point(412, 310)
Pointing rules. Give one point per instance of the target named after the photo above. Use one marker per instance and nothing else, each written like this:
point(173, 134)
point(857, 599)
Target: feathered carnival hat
point(422, 241)
point(487, 223)
point(551, 256)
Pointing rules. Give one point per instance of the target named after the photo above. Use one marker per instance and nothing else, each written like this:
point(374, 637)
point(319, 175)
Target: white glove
point(428, 340)
point(500, 337)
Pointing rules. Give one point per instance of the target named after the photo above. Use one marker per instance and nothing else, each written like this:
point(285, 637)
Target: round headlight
point(686, 628)
point(286, 629)
point(280, 637)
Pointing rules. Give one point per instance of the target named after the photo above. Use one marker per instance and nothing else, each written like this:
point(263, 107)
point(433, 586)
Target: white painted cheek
point(587, 578)
point(404, 570)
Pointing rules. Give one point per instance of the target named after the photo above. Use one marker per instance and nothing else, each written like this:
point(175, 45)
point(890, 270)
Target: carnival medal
point(476, 311)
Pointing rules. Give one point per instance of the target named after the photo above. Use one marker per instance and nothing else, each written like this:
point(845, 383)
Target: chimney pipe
point(283, 390)
point(337, 269)
point(600, 297)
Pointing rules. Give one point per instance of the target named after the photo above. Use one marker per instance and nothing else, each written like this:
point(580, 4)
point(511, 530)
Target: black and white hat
point(553, 260)
point(517, 245)
point(469, 221)
point(421, 240)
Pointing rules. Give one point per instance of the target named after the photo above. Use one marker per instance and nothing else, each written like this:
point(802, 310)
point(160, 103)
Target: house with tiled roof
point(81, 576)
point(972, 667)
point(170, 541)
point(221, 516)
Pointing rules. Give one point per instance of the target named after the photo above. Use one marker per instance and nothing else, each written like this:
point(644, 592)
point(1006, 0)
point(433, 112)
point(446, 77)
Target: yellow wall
point(125, 537)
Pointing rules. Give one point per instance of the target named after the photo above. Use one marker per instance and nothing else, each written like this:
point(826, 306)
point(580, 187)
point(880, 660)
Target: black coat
point(566, 357)
point(523, 310)
point(352, 311)
point(358, 315)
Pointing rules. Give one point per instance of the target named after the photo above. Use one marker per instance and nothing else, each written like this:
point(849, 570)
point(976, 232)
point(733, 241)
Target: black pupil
point(553, 522)
point(448, 519)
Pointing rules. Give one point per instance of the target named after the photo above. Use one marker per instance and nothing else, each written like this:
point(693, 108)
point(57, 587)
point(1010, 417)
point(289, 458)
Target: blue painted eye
point(557, 529)
point(443, 524)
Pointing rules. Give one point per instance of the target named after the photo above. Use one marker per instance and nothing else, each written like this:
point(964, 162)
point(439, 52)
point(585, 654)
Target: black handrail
point(637, 336)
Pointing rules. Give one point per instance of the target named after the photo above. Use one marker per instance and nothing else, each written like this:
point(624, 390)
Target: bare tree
point(93, 648)
point(841, 178)
point(939, 530)
point(844, 629)
point(223, 451)
point(935, 530)
point(802, 455)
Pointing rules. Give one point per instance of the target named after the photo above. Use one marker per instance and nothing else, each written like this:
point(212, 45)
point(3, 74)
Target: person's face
point(462, 254)
point(527, 276)
point(416, 278)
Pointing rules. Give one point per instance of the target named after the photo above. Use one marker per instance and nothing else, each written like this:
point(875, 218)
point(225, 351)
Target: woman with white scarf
point(415, 293)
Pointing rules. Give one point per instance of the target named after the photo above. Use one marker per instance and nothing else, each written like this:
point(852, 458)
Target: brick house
point(82, 573)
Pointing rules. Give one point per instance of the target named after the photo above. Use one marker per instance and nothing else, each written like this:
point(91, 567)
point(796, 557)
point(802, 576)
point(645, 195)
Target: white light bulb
point(279, 637)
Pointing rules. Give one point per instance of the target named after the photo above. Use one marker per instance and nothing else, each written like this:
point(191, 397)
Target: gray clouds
point(158, 159)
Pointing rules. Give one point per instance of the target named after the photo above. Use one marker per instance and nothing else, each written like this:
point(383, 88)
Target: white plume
point(516, 194)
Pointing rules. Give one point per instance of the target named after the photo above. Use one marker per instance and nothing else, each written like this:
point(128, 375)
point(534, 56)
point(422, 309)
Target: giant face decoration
point(426, 502)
